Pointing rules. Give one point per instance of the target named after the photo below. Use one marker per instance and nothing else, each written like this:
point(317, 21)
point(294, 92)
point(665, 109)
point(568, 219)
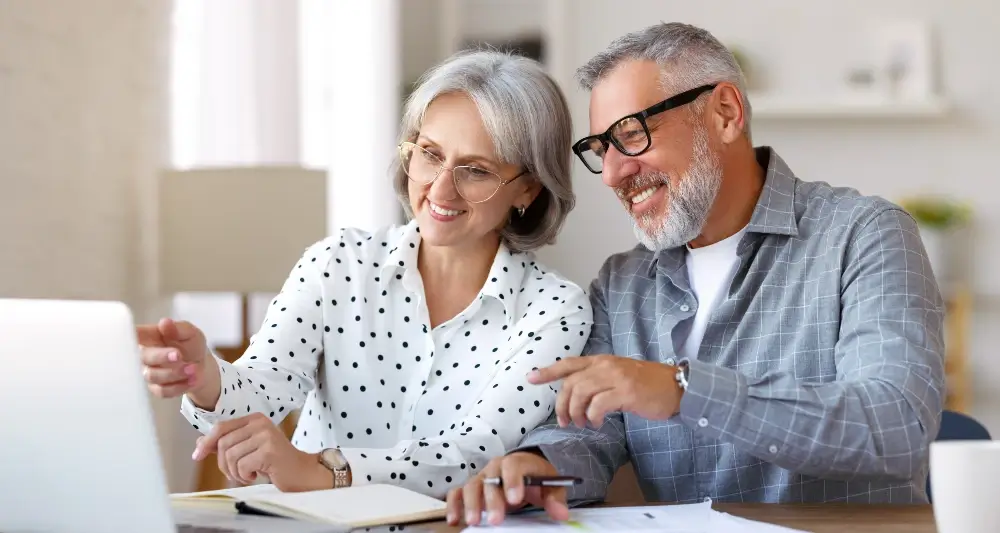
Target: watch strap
point(682, 375)
point(341, 472)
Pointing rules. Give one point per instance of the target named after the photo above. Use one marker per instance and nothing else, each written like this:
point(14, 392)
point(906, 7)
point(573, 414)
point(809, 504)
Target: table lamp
point(237, 230)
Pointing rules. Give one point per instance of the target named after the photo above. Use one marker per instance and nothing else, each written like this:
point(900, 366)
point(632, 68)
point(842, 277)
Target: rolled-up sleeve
point(877, 419)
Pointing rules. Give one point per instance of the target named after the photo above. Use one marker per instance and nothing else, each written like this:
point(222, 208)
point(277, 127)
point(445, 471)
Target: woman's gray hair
point(688, 57)
point(526, 116)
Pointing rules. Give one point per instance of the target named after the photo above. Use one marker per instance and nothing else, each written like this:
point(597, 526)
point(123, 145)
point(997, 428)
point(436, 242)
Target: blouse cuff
point(229, 381)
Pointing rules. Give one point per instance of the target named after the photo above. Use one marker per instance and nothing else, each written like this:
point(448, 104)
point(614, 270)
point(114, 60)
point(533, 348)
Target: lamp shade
point(237, 229)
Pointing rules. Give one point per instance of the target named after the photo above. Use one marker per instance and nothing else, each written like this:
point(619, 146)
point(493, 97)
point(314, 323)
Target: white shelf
point(770, 107)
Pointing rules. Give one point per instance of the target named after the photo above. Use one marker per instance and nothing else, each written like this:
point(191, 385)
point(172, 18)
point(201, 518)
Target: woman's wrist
point(205, 395)
point(316, 476)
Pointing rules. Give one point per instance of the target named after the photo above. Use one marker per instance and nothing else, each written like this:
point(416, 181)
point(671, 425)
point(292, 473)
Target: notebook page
point(237, 493)
point(363, 504)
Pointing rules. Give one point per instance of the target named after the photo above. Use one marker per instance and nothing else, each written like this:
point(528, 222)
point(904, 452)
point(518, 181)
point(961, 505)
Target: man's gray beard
point(688, 204)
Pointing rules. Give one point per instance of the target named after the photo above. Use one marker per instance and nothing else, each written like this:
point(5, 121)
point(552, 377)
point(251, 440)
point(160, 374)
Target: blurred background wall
point(98, 97)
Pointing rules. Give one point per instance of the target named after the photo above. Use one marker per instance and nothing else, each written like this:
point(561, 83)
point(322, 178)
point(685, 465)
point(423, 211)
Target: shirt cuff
point(713, 403)
point(229, 383)
point(556, 453)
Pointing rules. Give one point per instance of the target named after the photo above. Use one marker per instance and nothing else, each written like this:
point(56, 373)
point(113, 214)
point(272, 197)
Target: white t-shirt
point(710, 271)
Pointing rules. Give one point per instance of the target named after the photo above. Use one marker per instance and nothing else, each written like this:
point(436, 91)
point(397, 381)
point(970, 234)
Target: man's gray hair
point(525, 114)
point(688, 57)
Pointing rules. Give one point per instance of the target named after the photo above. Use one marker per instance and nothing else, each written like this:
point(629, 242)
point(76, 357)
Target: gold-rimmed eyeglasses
point(476, 185)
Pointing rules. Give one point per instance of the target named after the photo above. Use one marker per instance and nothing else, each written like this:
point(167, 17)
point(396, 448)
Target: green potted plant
point(939, 218)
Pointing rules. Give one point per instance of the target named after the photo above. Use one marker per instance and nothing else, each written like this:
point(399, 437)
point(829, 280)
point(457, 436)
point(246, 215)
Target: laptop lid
point(80, 450)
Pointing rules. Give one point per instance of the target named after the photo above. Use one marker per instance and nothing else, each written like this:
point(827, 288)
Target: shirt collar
point(502, 283)
point(774, 212)
point(506, 277)
point(402, 254)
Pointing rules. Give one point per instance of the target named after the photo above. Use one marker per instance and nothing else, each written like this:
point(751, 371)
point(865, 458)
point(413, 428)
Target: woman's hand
point(253, 445)
point(176, 361)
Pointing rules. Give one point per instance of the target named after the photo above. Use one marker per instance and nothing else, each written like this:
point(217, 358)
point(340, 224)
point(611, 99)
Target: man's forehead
point(631, 87)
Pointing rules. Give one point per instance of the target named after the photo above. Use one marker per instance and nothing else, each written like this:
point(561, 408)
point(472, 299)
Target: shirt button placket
point(426, 362)
point(704, 465)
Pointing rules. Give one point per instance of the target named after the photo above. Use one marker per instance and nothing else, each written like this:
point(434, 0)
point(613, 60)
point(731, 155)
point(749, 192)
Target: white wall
point(83, 96)
point(805, 49)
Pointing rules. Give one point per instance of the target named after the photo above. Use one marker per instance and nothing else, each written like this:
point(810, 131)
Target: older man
point(771, 340)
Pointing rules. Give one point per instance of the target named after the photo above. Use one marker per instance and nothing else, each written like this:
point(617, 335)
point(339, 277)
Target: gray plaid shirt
point(820, 377)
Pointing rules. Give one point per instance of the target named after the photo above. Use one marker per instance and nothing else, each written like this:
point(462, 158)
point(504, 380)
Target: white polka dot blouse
point(348, 341)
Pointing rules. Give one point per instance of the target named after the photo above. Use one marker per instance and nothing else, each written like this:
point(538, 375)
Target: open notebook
point(360, 506)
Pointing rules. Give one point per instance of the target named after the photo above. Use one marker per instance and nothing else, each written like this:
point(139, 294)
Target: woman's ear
point(529, 191)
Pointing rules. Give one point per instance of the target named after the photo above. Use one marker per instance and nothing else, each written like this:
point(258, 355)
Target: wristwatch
point(682, 375)
point(334, 460)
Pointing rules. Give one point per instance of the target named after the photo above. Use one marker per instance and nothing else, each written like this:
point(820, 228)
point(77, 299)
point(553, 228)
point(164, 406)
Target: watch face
point(334, 458)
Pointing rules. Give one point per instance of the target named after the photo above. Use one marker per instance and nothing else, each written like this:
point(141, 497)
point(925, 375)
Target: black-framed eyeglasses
point(476, 185)
point(630, 134)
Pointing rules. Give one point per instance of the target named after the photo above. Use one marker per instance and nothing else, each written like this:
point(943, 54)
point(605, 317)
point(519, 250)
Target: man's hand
point(253, 445)
point(175, 361)
point(596, 385)
point(511, 469)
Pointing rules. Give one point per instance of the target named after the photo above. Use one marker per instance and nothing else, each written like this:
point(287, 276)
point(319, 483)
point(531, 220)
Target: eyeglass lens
point(629, 136)
point(473, 183)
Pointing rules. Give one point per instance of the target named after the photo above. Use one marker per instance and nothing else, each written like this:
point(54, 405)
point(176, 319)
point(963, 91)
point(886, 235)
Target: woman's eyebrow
point(465, 157)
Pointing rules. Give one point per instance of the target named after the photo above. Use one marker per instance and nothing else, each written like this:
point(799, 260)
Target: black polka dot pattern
point(408, 404)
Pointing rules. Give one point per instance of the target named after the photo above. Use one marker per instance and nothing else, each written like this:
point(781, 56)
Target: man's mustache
point(641, 182)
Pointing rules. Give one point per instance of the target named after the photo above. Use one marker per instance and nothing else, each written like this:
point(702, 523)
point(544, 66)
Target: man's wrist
point(680, 382)
point(535, 450)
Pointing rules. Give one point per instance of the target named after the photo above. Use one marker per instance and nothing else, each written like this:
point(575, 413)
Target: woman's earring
point(520, 211)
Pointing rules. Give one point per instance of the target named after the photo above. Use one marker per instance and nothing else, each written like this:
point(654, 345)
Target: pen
point(540, 481)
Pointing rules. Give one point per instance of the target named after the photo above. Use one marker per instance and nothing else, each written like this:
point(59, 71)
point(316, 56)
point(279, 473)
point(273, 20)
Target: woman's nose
point(443, 187)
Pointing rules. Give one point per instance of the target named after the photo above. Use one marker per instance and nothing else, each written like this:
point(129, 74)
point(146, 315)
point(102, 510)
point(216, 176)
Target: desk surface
point(815, 518)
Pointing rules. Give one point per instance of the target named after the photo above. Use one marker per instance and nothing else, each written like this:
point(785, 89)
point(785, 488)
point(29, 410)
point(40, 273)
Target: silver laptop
point(79, 450)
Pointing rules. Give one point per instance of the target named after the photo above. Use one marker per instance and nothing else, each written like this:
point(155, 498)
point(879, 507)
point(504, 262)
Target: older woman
point(407, 348)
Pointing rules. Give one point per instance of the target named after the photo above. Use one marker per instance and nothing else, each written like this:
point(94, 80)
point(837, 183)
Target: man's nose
point(617, 167)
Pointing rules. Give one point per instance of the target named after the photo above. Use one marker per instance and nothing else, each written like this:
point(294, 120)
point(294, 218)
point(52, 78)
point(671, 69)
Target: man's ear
point(726, 107)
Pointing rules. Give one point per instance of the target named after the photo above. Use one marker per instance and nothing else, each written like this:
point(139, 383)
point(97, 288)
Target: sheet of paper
point(692, 518)
point(726, 522)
